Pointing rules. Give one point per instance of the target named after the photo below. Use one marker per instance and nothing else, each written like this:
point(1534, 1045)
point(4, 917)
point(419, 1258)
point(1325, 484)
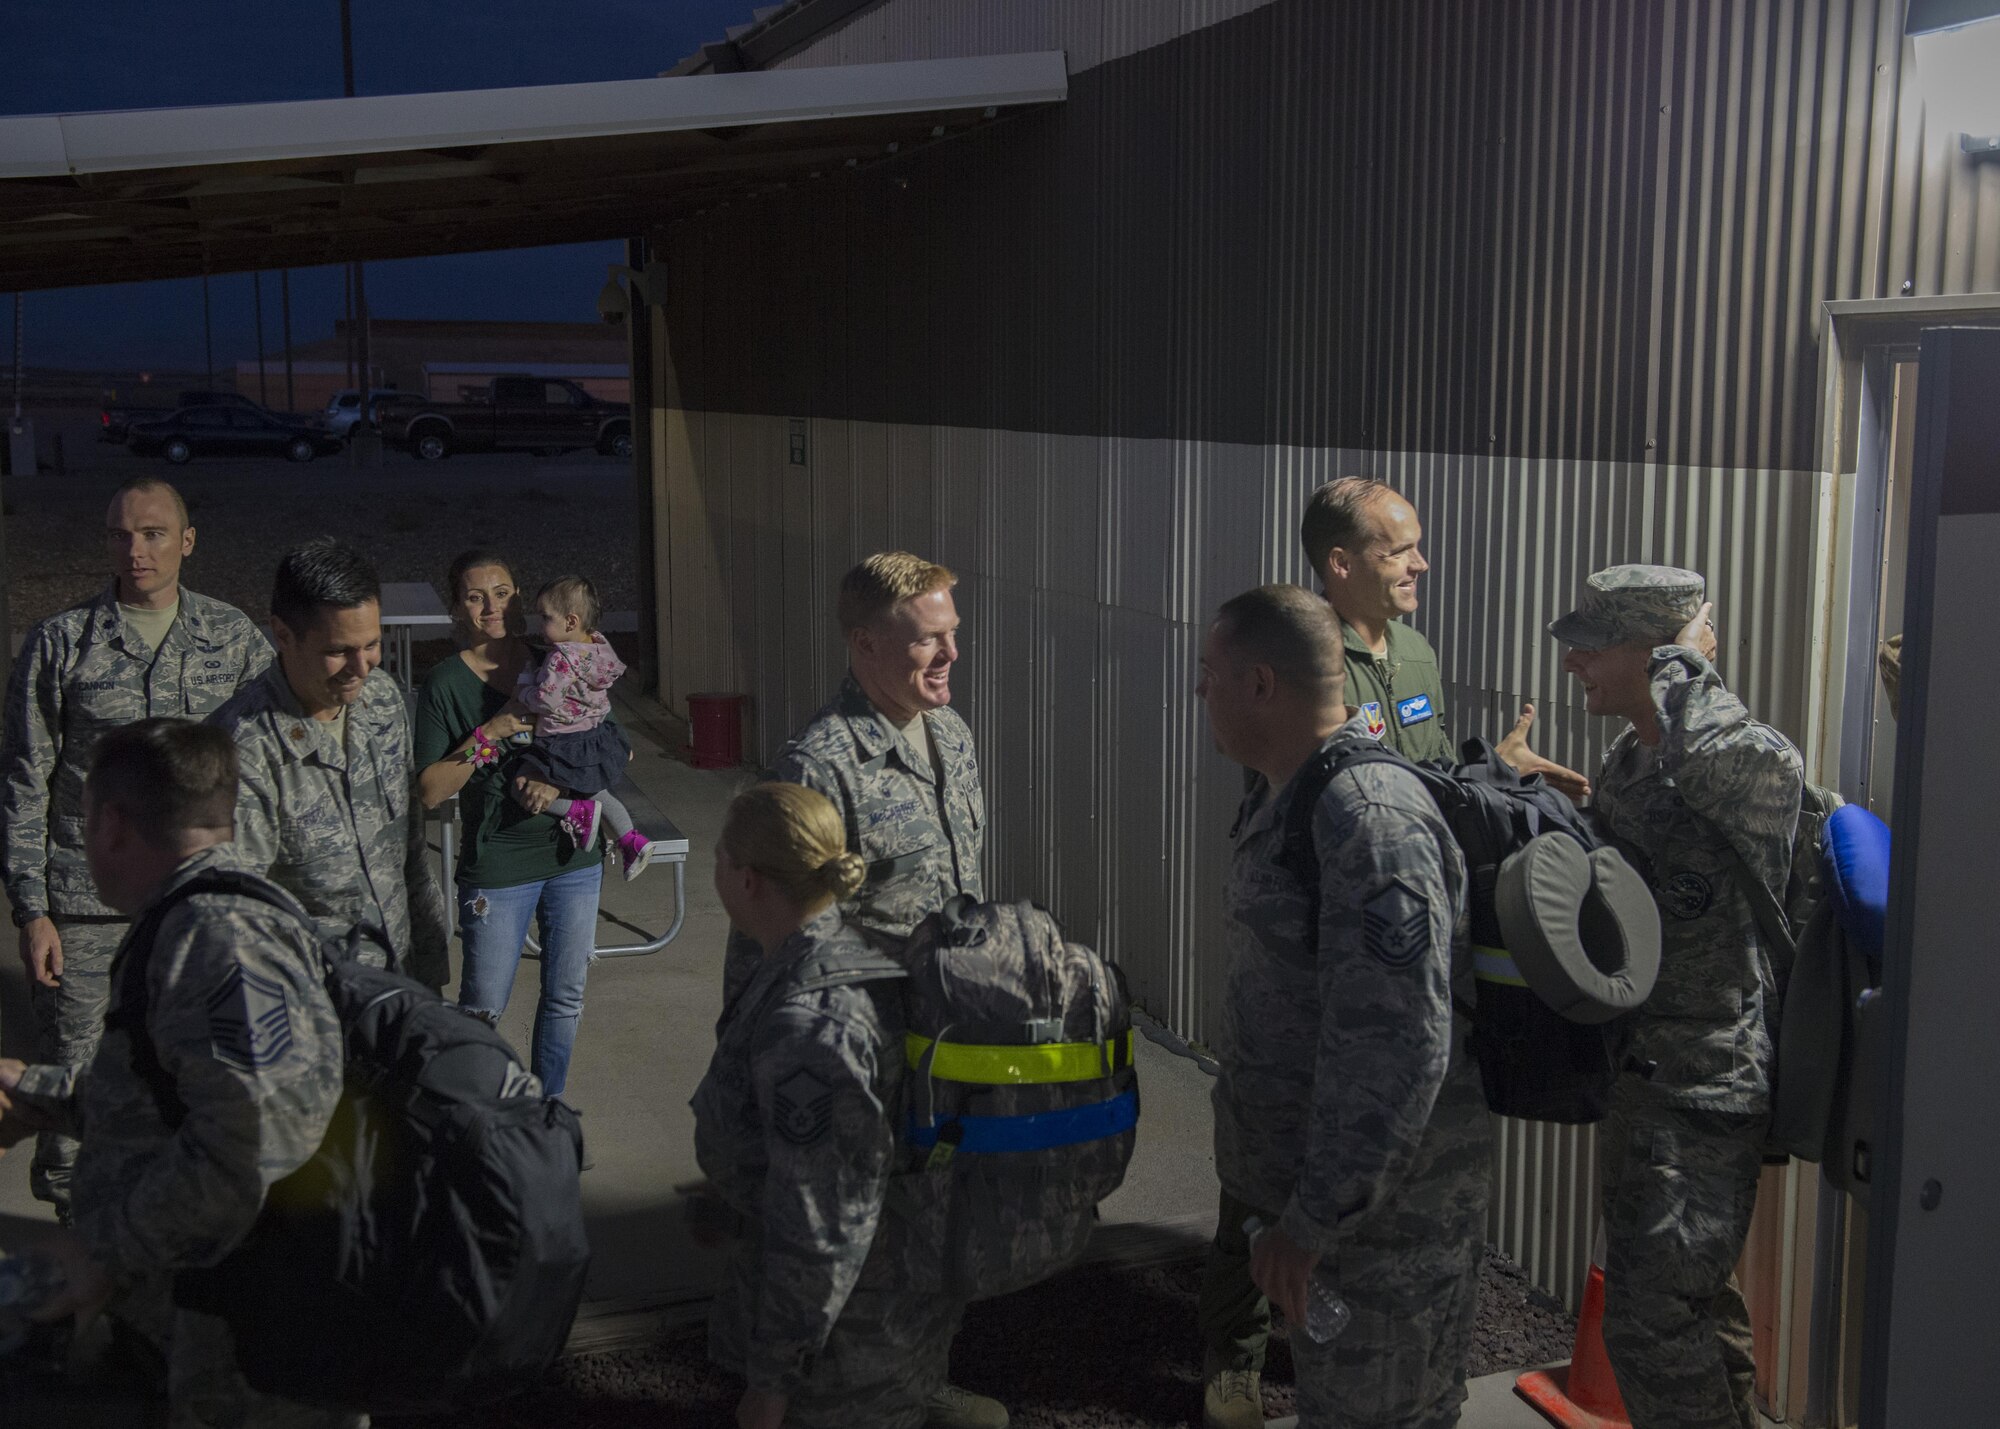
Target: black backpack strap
point(134, 957)
point(1298, 855)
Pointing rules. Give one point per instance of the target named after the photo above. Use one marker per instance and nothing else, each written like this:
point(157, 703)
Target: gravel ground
point(1106, 1345)
point(573, 513)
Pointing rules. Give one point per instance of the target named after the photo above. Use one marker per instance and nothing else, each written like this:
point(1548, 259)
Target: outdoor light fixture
point(1958, 56)
point(613, 303)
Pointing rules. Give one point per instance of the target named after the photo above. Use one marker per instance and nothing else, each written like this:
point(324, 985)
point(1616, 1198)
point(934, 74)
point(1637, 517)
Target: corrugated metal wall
point(1552, 268)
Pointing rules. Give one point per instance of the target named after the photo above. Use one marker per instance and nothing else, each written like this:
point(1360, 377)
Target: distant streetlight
point(365, 382)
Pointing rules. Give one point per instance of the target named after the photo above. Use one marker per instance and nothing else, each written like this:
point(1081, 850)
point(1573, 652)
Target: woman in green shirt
point(513, 863)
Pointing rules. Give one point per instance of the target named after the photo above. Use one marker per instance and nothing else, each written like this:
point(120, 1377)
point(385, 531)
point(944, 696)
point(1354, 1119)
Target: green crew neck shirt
point(1402, 689)
point(501, 845)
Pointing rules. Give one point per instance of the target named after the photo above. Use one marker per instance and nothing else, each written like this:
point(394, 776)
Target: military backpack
point(431, 1253)
point(1553, 1001)
point(1021, 1102)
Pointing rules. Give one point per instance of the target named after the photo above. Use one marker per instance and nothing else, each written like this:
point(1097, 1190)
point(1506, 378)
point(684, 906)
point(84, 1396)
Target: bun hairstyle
point(793, 836)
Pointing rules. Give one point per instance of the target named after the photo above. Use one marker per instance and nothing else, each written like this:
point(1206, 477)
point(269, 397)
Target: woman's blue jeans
point(493, 925)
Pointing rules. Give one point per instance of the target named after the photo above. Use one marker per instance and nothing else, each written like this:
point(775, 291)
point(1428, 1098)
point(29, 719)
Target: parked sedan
point(343, 408)
point(231, 431)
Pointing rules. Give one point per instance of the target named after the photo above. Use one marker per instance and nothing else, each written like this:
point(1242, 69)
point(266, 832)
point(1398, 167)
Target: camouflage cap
point(1630, 603)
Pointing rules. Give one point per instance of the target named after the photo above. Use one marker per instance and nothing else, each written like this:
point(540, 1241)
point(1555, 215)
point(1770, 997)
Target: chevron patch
point(1396, 925)
point(249, 1021)
point(803, 1108)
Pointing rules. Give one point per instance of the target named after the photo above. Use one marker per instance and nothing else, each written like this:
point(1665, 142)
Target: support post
point(285, 301)
point(257, 299)
point(639, 334)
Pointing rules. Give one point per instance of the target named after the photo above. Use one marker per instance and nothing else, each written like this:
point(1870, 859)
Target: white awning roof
point(135, 194)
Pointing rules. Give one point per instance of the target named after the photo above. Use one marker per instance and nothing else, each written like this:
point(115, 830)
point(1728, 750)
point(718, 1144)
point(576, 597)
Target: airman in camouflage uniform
point(916, 816)
point(1364, 543)
point(825, 1301)
point(897, 763)
point(1703, 800)
point(918, 828)
point(242, 1025)
point(79, 674)
point(329, 817)
point(325, 806)
point(1348, 1112)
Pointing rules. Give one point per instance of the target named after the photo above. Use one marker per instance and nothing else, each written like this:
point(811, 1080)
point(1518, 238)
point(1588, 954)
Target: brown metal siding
point(1575, 228)
point(1551, 267)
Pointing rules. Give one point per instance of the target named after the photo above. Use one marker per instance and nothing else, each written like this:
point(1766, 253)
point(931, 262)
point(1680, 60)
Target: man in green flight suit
point(1364, 543)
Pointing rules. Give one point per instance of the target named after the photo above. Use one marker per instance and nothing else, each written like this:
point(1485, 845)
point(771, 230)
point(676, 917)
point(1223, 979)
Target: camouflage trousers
point(1679, 1187)
point(205, 1389)
point(1409, 1274)
point(1234, 1316)
point(68, 1021)
point(886, 1357)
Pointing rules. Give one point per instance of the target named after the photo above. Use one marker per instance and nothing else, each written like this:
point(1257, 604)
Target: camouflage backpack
point(1022, 1101)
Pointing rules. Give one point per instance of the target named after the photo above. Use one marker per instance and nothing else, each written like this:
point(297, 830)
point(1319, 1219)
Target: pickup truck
point(547, 415)
point(114, 424)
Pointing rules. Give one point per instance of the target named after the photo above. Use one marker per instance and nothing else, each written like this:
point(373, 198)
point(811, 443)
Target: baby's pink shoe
point(580, 823)
point(636, 852)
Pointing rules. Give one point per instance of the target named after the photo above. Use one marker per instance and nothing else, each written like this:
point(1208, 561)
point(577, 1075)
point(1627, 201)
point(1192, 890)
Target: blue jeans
point(493, 926)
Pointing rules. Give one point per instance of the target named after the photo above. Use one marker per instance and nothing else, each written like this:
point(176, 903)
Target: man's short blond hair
point(884, 581)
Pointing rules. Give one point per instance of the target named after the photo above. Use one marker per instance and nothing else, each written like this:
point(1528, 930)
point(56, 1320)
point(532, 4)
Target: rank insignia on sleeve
point(1377, 726)
point(1396, 925)
point(249, 1021)
point(804, 1107)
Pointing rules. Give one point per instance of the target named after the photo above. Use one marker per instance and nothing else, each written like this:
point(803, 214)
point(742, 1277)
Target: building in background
point(444, 359)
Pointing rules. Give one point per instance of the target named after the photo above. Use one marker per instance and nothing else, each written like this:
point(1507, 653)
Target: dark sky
point(62, 56)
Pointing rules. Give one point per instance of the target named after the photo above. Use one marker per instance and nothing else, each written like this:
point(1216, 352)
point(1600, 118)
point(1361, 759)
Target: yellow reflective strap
point(1496, 965)
point(1016, 1066)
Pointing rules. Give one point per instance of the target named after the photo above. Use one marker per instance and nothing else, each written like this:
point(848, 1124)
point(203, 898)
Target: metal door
point(1933, 1253)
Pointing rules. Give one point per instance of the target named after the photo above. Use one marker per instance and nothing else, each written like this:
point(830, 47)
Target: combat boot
point(955, 1408)
point(1233, 1399)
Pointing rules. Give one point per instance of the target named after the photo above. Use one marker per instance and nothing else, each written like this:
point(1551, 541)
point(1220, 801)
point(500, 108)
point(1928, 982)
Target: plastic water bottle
point(1326, 1313)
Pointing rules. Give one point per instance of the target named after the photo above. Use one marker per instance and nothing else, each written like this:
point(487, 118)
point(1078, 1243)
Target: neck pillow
point(1582, 927)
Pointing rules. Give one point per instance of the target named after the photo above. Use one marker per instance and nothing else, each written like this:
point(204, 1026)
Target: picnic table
point(664, 838)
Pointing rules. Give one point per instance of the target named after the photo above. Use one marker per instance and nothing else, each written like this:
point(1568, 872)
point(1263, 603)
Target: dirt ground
point(549, 517)
point(1106, 1346)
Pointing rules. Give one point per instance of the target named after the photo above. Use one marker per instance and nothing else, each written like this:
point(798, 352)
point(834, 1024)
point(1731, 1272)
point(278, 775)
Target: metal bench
point(668, 844)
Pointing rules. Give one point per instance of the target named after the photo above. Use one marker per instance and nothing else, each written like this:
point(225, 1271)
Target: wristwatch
point(24, 916)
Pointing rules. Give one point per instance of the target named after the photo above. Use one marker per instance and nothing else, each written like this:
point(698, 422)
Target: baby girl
point(573, 747)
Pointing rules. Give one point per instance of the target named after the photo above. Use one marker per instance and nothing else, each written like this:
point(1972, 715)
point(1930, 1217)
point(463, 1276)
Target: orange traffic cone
point(1584, 1395)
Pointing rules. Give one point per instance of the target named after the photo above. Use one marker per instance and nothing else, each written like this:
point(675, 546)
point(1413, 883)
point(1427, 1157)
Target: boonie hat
point(1630, 603)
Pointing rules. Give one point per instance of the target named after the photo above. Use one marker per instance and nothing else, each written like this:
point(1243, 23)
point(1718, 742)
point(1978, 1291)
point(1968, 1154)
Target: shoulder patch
point(804, 1107)
point(1396, 925)
point(249, 1020)
point(1377, 726)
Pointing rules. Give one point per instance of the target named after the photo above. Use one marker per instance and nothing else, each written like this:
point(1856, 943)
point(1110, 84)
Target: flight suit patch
point(1414, 710)
point(1377, 726)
